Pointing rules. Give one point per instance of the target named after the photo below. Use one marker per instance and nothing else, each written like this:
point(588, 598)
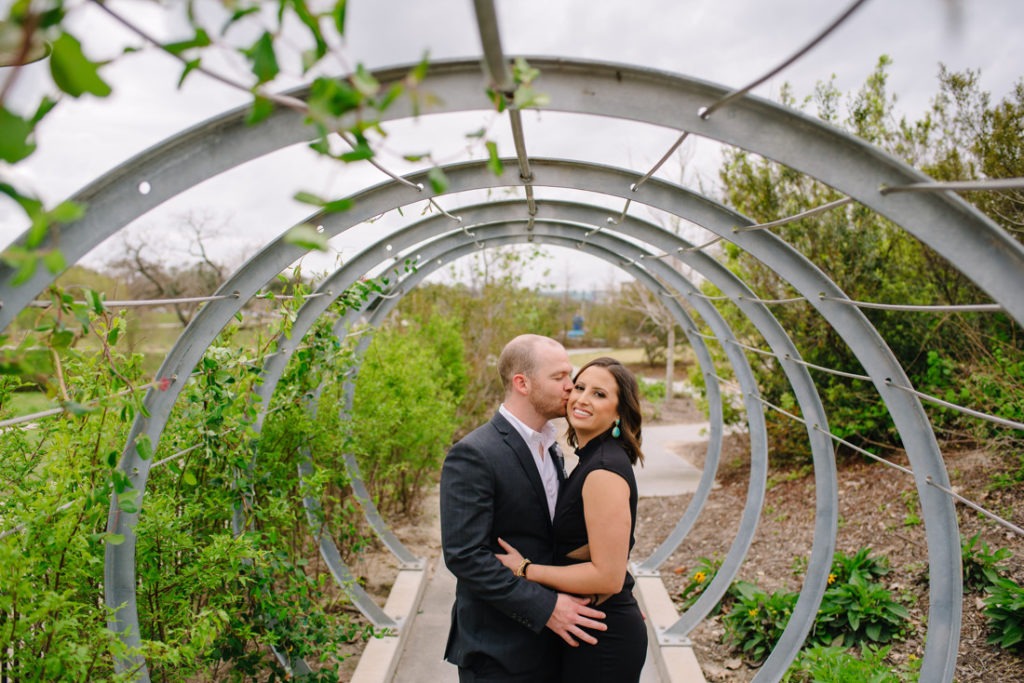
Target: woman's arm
point(607, 516)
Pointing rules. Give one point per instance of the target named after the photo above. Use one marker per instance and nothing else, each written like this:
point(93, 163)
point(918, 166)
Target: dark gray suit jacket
point(490, 487)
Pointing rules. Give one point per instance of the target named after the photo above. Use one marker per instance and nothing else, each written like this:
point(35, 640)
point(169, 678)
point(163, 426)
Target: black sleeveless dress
point(619, 654)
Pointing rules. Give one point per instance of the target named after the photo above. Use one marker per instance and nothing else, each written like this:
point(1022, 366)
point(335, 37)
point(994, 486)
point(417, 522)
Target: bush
point(839, 665)
point(404, 413)
point(698, 580)
point(859, 611)
point(981, 566)
point(756, 620)
point(1004, 608)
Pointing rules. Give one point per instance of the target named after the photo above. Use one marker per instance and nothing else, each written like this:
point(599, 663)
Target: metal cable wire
point(977, 508)
point(993, 184)
point(951, 308)
point(974, 506)
point(133, 303)
point(795, 217)
point(706, 112)
point(952, 406)
point(50, 412)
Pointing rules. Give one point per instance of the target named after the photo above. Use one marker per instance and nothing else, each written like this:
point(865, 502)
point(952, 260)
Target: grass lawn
point(624, 356)
point(28, 402)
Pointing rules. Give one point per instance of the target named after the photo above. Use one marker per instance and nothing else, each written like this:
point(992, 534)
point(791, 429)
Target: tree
point(962, 137)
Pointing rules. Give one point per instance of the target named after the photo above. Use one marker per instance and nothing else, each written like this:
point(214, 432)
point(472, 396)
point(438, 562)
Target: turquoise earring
point(616, 432)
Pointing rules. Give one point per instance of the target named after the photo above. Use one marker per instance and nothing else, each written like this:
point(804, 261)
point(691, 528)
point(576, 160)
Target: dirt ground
point(878, 509)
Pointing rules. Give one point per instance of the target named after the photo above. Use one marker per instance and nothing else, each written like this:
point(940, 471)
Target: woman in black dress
point(594, 523)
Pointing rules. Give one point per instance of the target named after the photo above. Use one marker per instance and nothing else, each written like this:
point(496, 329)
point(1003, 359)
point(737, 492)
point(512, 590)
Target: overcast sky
point(730, 42)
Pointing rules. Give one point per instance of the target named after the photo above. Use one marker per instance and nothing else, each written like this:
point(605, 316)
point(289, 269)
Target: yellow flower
point(753, 612)
point(699, 577)
point(831, 579)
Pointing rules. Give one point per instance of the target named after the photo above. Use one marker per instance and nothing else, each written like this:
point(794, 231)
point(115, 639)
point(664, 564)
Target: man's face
point(551, 384)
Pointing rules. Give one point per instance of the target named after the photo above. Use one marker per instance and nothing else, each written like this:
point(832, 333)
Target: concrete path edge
point(380, 656)
point(676, 662)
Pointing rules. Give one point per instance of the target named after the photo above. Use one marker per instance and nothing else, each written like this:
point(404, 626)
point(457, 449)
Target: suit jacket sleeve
point(468, 488)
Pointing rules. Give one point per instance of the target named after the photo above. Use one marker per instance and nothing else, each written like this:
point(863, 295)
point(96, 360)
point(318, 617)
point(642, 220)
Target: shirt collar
point(546, 436)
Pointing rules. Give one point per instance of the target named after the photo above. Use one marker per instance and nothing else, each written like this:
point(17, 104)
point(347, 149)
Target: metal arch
point(909, 417)
point(614, 249)
point(680, 202)
point(969, 240)
point(711, 215)
point(803, 387)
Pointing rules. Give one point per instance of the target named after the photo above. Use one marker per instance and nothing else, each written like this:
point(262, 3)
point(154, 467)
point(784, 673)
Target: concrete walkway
point(665, 473)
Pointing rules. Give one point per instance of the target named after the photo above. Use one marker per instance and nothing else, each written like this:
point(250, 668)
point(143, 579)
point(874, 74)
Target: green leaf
point(419, 72)
point(54, 261)
point(338, 14)
point(113, 335)
point(311, 22)
point(331, 98)
point(497, 99)
point(144, 447)
point(200, 40)
point(66, 212)
point(95, 301)
point(46, 105)
point(438, 180)
point(188, 478)
point(115, 539)
point(76, 409)
point(263, 58)
point(14, 137)
point(477, 134)
point(261, 109)
point(522, 72)
point(26, 268)
point(190, 66)
point(360, 152)
point(329, 206)
point(306, 237)
point(128, 501)
point(364, 82)
point(72, 71)
point(493, 160)
point(112, 458)
point(416, 157)
point(61, 339)
point(525, 97)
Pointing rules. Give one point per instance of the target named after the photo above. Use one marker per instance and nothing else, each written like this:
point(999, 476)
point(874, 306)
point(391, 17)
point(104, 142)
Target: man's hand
point(570, 614)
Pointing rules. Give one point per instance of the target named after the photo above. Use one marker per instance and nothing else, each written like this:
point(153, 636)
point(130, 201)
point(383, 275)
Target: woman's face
point(594, 403)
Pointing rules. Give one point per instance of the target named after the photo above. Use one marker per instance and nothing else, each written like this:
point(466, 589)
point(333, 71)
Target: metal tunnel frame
point(975, 245)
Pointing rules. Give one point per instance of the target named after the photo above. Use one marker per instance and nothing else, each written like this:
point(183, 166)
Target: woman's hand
point(511, 558)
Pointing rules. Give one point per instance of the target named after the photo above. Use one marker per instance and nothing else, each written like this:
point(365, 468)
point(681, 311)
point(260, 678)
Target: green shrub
point(1004, 609)
point(403, 414)
point(699, 579)
point(832, 664)
point(861, 563)
point(756, 620)
point(981, 565)
point(859, 611)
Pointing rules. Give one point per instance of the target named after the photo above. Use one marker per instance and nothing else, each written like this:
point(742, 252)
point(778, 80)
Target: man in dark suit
point(502, 480)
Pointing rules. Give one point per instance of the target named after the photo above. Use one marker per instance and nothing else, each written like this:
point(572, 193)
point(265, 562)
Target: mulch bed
point(878, 509)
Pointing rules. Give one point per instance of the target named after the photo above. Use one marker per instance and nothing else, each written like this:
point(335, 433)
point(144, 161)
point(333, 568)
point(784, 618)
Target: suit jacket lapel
point(523, 455)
